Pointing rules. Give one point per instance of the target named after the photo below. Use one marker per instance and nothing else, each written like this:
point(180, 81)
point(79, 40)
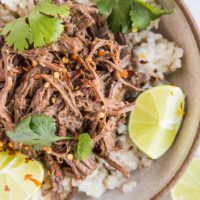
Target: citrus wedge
point(156, 119)
point(188, 187)
point(20, 177)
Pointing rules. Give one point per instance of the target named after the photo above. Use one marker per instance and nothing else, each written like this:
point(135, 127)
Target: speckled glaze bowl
point(156, 181)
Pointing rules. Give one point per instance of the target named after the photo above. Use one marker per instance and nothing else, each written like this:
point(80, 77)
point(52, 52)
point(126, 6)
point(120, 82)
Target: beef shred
point(85, 80)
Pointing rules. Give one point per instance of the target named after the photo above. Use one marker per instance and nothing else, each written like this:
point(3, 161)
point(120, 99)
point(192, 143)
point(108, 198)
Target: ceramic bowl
point(156, 181)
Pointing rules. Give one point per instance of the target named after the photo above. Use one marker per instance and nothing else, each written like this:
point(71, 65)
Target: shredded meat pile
point(86, 81)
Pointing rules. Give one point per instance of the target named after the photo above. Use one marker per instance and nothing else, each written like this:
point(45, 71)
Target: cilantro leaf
point(48, 8)
point(126, 14)
point(41, 27)
point(143, 13)
point(19, 40)
point(105, 7)
point(119, 10)
point(37, 130)
point(84, 147)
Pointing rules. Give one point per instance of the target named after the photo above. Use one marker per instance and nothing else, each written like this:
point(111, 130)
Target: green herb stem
point(64, 138)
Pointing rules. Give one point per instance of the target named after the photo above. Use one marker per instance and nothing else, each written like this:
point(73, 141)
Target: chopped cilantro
point(41, 27)
point(39, 130)
point(119, 14)
point(124, 15)
point(143, 13)
point(84, 146)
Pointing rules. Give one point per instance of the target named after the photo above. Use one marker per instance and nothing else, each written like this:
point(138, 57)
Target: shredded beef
point(82, 80)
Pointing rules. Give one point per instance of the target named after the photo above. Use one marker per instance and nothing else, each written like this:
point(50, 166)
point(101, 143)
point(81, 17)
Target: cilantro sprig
point(39, 131)
point(124, 15)
point(41, 27)
point(118, 12)
point(83, 147)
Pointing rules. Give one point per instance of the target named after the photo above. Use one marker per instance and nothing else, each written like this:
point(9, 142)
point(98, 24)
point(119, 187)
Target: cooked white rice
point(101, 180)
point(22, 7)
point(161, 57)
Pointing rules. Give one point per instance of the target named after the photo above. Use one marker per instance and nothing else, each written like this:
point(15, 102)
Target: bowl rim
point(196, 32)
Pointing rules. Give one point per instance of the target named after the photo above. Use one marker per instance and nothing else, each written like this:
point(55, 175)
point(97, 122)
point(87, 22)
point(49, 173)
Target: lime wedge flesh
point(188, 187)
point(20, 177)
point(156, 119)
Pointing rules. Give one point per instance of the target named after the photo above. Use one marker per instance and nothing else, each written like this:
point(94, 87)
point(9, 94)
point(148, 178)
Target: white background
point(194, 6)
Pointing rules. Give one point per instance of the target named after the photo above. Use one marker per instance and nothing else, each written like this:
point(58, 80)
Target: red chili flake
point(6, 188)
point(30, 178)
point(123, 74)
point(36, 76)
point(58, 173)
point(11, 152)
point(54, 166)
point(110, 54)
point(101, 52)
point(46, 149)
point(1, 143)
point(74, 56)
point(28, 159)
point(79, 59)
point(27, 176)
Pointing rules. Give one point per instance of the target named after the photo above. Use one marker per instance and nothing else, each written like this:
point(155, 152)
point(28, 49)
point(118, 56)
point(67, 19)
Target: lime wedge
point(20, 177)
point(156, 119)
point(188, 187)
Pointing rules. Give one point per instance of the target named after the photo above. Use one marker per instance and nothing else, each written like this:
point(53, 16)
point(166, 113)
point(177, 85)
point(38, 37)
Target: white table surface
point(194, 6)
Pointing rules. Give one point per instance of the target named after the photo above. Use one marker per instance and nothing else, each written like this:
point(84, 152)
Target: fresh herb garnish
point(119, 14)
point(41, 27)
point(39, 131)
point(143, 13)
point(124, 15)
point(84, 147)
